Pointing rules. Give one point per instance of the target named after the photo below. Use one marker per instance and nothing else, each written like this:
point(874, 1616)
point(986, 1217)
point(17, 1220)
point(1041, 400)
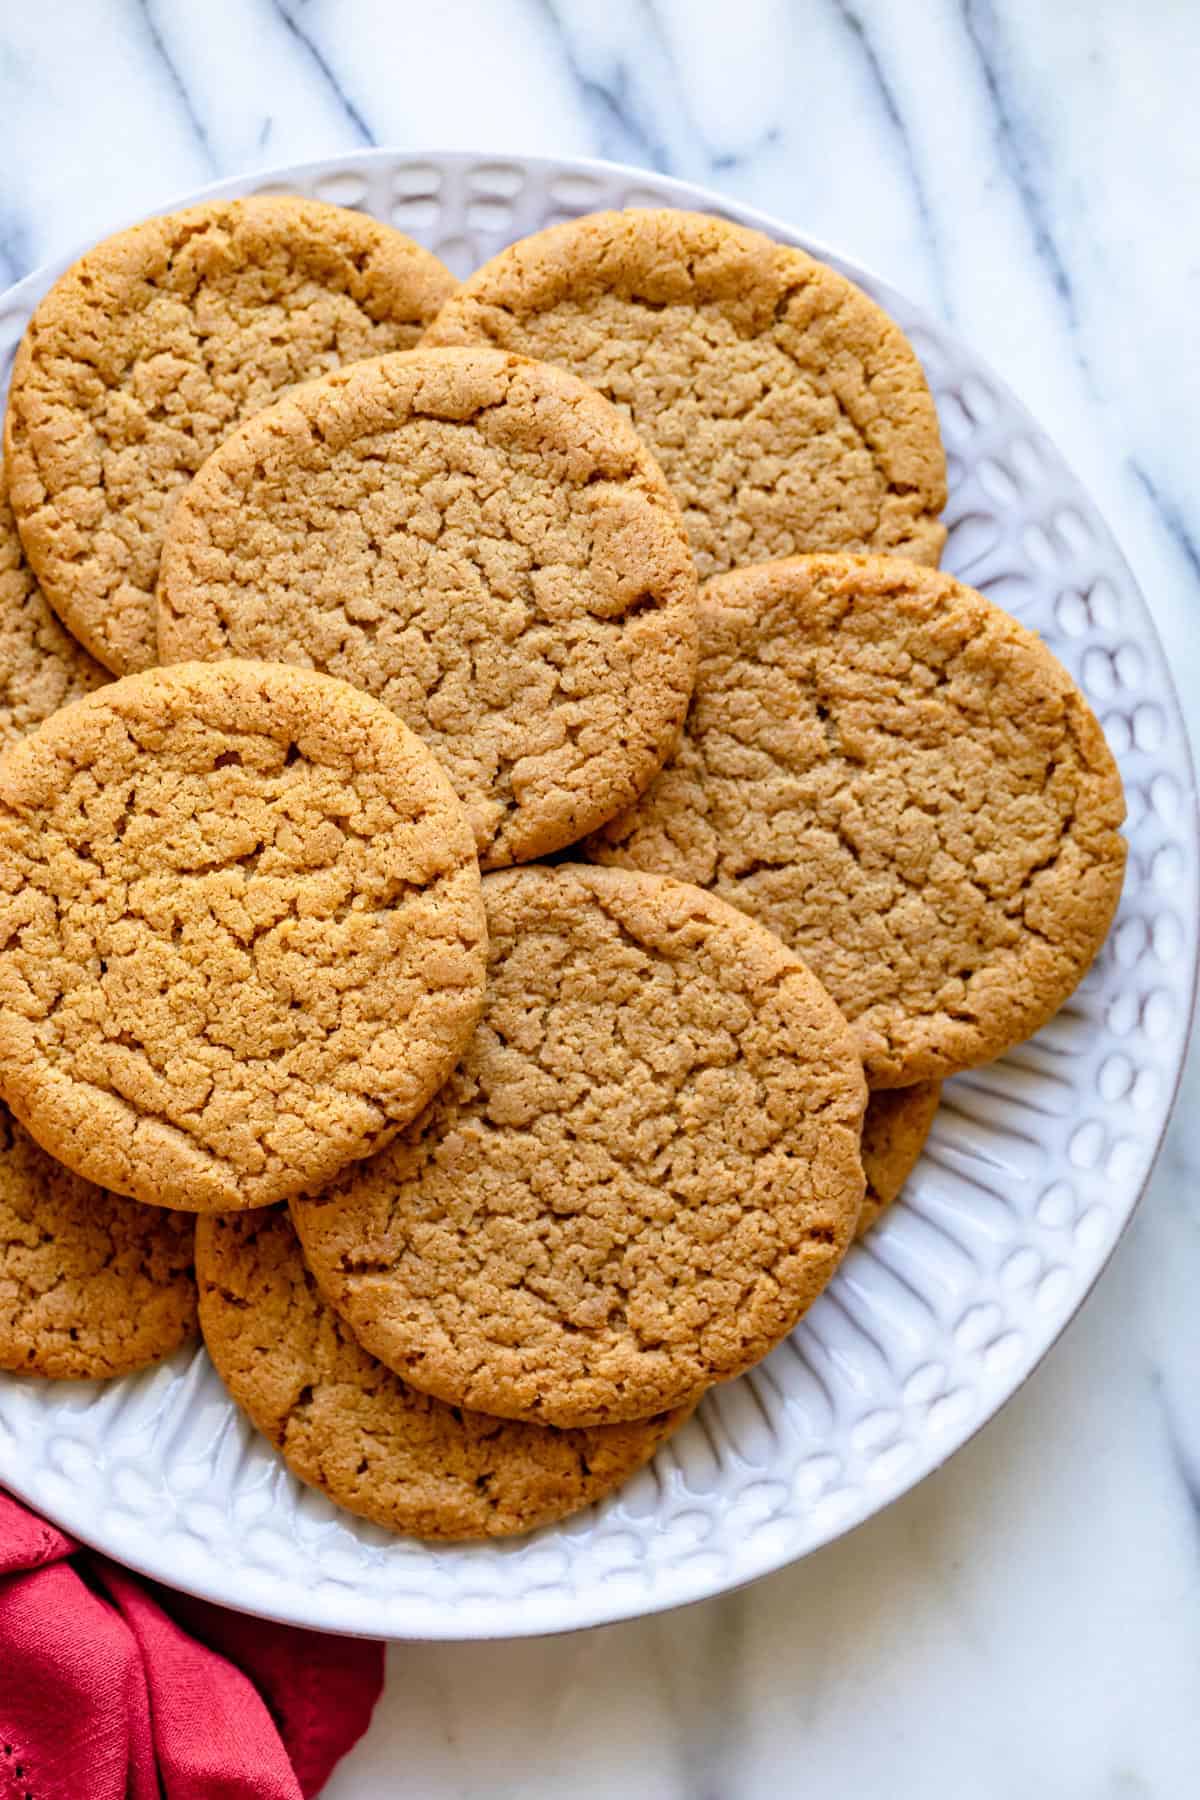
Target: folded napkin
point(112, 1687)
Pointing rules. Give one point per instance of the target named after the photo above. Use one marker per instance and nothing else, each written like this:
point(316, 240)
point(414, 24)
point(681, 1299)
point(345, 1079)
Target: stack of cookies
point(504, 829)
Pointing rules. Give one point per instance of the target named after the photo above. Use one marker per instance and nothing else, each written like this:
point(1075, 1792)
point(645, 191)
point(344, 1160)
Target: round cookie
point(642, 1172)
point(91, 1285)
point(151, 348)
point(787, 410)
point(908, 787)
point(479, 541)
point(241, 929)
point(376, 1446)
point(41, 665)
point(895, 1127)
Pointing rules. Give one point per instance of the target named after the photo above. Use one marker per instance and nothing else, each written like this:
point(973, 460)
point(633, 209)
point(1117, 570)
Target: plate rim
point(291, 1608)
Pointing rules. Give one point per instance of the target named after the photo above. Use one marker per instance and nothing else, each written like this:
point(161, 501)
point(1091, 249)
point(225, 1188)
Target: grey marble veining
point(1028, 1621)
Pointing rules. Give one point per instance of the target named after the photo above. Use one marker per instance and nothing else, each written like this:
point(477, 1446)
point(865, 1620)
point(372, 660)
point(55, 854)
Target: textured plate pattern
point(1033, 1167)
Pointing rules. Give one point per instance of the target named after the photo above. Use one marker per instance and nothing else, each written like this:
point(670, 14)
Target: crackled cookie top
point(908, 787)
point(481, 542)
point(41, 665)
point(373, 1444)
point(241, 927)
point(641, 1173)
point(895, 1127)
point(91, 1284)
point(787, 411)
point(147, 352)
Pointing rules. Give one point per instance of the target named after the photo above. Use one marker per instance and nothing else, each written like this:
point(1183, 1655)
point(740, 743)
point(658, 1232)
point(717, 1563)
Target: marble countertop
point(1027, 1622)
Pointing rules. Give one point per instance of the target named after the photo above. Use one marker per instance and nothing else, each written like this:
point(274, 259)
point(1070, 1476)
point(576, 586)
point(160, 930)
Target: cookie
point(908, 787)
point(151, 348)
point(642, 1172)
point(376, 1446)
point(479, 541)
point(241, 930)
point(41, 665)
point(91, 1285)
point(787, 410)
point(895, 1127)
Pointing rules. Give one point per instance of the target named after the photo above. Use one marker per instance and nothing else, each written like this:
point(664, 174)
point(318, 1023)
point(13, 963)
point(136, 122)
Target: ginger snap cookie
point(347, 1425)
point(895, 1128)
point(41, 665)
point(908, 787)
point(91, 1284)
point(242, 932)
point(481, 542)
point(787, 411)
point(644, 1169)
point(151, 348)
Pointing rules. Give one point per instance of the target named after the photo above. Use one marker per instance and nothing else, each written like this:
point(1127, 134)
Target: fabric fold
point(113, 1688)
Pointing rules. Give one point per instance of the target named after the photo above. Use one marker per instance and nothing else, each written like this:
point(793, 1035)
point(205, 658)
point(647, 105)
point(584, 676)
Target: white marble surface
point(1028, 1621)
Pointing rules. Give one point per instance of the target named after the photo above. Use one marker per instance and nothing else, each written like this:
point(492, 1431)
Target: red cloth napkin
point(111, 1687)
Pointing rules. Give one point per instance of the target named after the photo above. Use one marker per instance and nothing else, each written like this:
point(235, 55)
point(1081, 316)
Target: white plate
point(1032, 1170)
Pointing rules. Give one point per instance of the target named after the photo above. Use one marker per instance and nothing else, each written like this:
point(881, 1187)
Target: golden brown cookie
point(642, 1172)
point(787, 411)
point(91, 1284)
point(241, 930)
point(895, 1127)
point(376, 1446)
point(479, 541)
point(151, 348)
point(41, 665)
point(908, 787)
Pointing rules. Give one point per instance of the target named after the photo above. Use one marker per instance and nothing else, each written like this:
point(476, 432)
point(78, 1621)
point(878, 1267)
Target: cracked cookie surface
point(41, 665)
point(787, 411)
point(241, 934)
point(907, 786)
point(642, 1172)
point(347, 1425)
point(895, 1128)
point(91, 1284)
point(151, 348)
point(481, 542)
